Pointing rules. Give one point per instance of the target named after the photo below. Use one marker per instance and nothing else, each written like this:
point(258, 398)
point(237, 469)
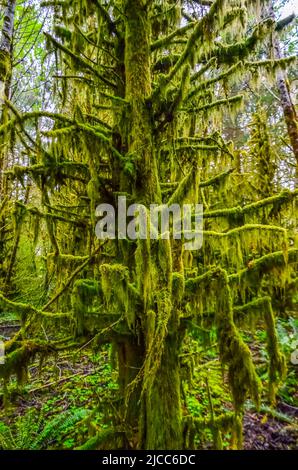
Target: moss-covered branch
point(210, 22)
point(165, 41)
point(232, 53)
point(48, 215)
point(75, 273)
point(182, 189)
point(80, 61)
point(222, 76)
point(47, 170)
point(26, 309)
point(244, 228)
point(278, 259)
point(216, 179)
point(277, 365)
point(272, 64)
point(234, 100)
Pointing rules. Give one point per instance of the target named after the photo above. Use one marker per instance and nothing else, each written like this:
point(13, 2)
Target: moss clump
point(178, 286)
point(5, 65)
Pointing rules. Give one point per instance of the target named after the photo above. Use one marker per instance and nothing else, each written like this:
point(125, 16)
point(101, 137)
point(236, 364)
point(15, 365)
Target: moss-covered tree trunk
point(6, 48)
point(160, 420)
point(5, 85)
point(163, 419)
point(138, 91)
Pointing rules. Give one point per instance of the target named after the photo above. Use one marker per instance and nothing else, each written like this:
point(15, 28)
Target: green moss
point(184, 188)
point(262, 154)
point(277, 367)
point(5, 65)
point(261, 308)
point(223, 423)
point(274, 261)
point(83, 293)
point(165, 260)
point(231, 53)
point(118, 295)
point(144, 271)
point(178, 286)
point(283, 198)
point(165, 41)
point(17, 360)
point(233, 351)
point(101, 440)
point(234, 102)
point(221, 77)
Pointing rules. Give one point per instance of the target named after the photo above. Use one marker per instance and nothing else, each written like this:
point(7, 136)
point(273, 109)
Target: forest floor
point(56, 408)
point(263, 432)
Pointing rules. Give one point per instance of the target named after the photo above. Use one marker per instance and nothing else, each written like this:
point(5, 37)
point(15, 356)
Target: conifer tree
point(139, 97)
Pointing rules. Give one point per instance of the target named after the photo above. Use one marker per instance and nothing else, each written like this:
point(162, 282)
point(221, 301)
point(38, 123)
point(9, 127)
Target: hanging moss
point(185, 186)
point(202, 35)
point(233, 351)
point(178, 286)
point(262, 309)
point(273, 261)
point(5, 65)
point(231, 53)
point(83, 293)
point(165, 260)
point(154, 354)
point(79, 60)
point(277, 368)
point(261, 153)
point(117, 293)
point(165, 41)
point(235, 101)
point(221, 77)
point(223, 423)
point(284, 197)
point(144, 271)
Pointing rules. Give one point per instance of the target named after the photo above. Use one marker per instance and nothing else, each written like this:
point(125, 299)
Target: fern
point(57, 426)
point(31, 433)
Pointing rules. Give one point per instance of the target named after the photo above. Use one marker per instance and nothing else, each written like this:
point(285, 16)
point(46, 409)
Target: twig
point(57, 382)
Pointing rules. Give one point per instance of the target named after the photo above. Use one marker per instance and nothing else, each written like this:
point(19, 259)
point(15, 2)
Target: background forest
point(122, 344)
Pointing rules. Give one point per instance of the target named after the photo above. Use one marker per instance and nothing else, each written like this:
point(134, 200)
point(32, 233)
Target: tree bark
point(6, 48)
point(288, 107)
point(163, 418)
point(5, 85)
point(159, 418)
point(138, 91)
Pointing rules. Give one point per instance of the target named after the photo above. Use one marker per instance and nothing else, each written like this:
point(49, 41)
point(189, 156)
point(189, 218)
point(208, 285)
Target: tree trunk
point(163, 418)
point(130, 361)
point(160, 420)
point(5, 72)
point(6, 48)
point(288, 107)
point(5, 85)
point(138, 91)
